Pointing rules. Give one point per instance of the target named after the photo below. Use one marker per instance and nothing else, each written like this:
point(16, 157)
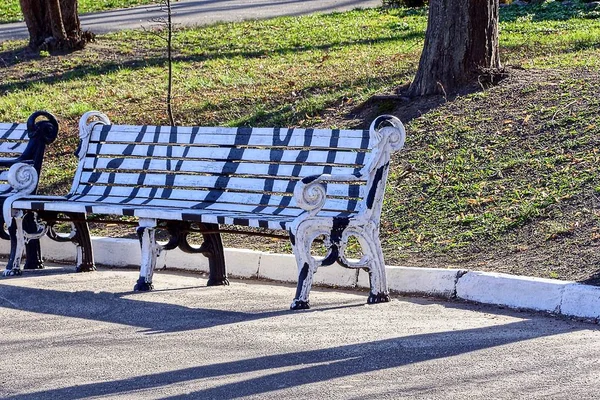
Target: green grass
point(568, 36)
point(10, 10)
point(483, 174)
point(512, 167)
point(272, 72)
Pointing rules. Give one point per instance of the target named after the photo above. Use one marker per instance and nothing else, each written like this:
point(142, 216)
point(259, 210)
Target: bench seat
point(310, 183)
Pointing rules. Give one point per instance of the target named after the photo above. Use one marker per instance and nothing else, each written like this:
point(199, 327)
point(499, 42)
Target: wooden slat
point(259, 137)
point(252, 141)
point(126, 196)
point(197, 181)
point(160, 211)
point(210, 167)
point(13, 132)
point(131, 133)
point(225, 154)
point(14, 148)
point(183, 204)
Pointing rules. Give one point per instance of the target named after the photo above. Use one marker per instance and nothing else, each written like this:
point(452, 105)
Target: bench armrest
point(24, 179)
point(389, 135)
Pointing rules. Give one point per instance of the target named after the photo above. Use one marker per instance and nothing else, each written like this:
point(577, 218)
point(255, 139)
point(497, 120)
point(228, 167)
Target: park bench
point(22, 149)
point(309, 182)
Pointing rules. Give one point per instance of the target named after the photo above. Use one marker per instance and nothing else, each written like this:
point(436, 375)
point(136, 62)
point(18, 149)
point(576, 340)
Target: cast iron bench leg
point(17, 245)
point(33, 250)
point(147, 233)
point(379, 290)
point(216, 256)
point(305, 270)
point(83, 242)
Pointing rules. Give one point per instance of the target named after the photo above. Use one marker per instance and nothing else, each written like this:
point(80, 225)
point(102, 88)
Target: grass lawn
point(10, 10)
point(504, 179)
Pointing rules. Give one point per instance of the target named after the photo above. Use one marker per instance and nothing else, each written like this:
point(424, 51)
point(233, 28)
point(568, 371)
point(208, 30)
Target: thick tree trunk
point(461, 42)
point(54, 24)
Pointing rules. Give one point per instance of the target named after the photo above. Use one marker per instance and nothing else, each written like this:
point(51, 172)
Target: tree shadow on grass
point(407, 108)
point(10, 58)
point(322, 365)
point(98, 69)
point(288, 110)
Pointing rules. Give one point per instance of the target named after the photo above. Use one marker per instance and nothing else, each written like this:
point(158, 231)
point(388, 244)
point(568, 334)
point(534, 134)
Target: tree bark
point(461, 42)
point(54, 24)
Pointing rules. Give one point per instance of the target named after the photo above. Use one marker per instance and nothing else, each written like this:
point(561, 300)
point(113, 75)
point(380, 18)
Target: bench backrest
point(235, 169)
point(25, 143)
point(13, 141)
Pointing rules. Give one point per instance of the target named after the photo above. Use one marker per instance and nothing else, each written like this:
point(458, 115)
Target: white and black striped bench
point(308, 182)
point(22, 148)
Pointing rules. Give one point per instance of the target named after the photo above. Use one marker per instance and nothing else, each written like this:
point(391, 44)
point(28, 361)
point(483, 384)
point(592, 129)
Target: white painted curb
point(511, 291)
point(550, 295)
point(422, 281)
point(581, 301)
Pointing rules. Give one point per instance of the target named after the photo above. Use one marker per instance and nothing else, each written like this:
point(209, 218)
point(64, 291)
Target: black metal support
point(216, 257)
point(142, 286)
point(83, 240)
point(375, 298)
point(33, 249)
point(211, 248)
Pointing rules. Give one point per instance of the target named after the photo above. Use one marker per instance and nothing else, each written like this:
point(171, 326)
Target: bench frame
point(23, 176)
point(310, 195)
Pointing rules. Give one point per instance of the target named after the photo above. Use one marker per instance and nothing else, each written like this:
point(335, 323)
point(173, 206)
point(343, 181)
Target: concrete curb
point(558, 297)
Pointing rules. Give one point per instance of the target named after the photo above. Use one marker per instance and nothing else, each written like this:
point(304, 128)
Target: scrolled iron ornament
point(394, 131)
point(310, 194)
point(87, 122)
point(86, 125)
point(56, 236)
point(46, 129)
point(389, 135)
point(23, 178)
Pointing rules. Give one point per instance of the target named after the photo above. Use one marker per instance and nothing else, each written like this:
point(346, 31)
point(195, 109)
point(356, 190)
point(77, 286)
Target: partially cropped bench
point(22, 149)
point(308, 182)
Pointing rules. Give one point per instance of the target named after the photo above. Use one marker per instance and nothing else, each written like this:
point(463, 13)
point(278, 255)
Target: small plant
point(166, 24)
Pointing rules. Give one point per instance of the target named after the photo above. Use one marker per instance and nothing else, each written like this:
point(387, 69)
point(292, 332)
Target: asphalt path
point(70, 336)
point(198, 12)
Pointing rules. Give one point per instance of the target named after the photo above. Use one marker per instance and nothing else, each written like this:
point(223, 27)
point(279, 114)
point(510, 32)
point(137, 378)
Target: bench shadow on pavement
point(117, 308)
point(302, 367)
point(320, 365)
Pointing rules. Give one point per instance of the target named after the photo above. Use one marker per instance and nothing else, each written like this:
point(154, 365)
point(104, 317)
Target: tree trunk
point(461, 42)
point(54, 24)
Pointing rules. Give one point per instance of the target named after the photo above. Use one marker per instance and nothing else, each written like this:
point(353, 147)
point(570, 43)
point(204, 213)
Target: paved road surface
point(198, 12)
point(69, 336)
